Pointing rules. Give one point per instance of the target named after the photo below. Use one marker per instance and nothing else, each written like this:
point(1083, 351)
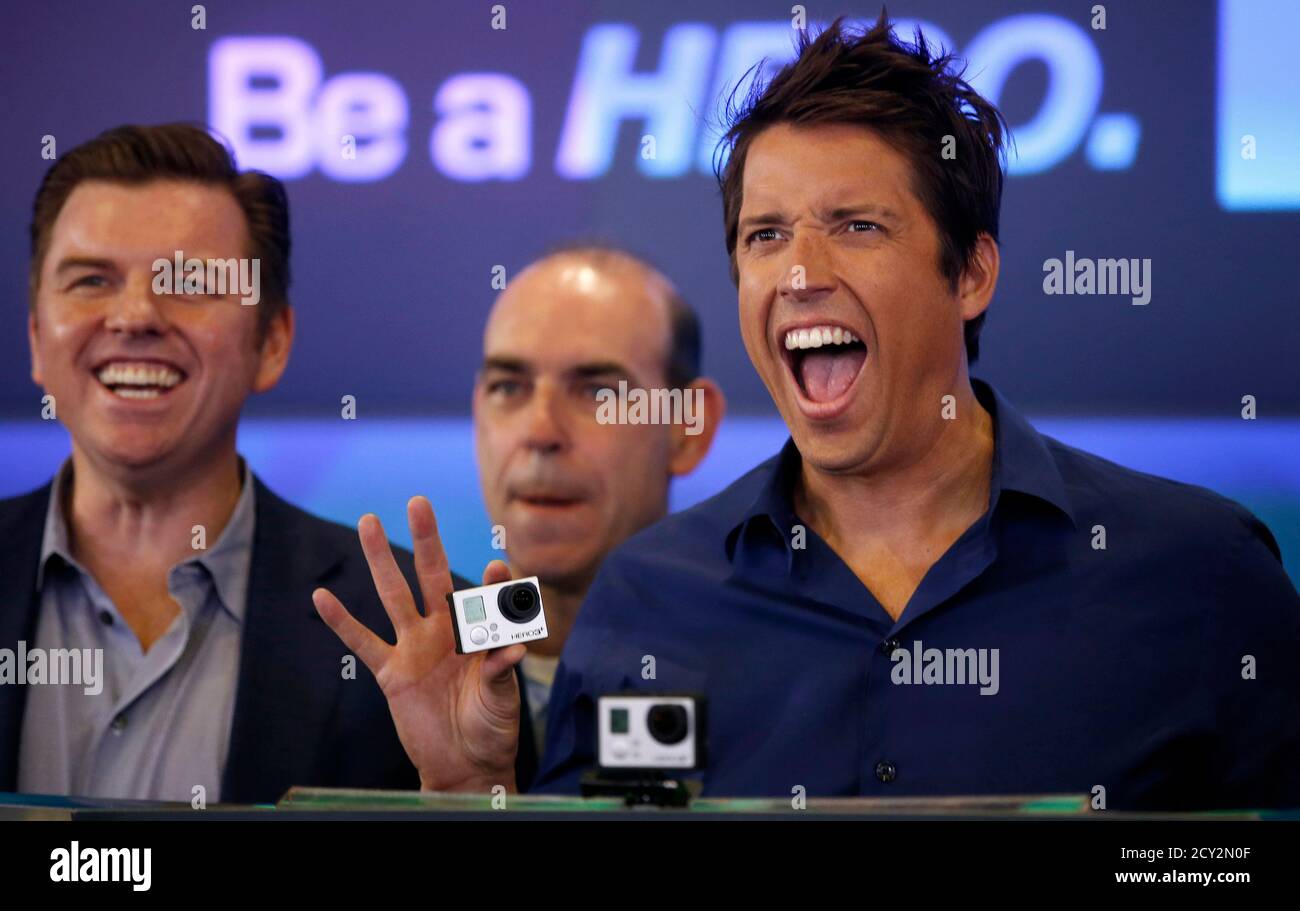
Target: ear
point(274, 354)
point(33, 347)
point(691, 441)
point(979, 278)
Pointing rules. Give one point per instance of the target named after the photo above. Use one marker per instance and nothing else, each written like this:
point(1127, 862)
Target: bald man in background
point(565, 486)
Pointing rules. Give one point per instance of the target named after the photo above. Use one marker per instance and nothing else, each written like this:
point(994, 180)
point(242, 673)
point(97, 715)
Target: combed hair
point(136, 155)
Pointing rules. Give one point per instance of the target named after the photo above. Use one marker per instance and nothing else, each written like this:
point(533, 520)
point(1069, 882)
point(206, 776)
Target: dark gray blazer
point(294, 722)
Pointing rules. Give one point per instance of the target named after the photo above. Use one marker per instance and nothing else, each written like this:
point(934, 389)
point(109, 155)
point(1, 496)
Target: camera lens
point(668, 723)
point(519, 603)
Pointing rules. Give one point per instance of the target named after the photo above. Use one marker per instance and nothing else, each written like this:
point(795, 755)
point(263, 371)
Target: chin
point(128, 451)
point(829, 459)
point(835, 449)
point(550, 563)
point(134, 460)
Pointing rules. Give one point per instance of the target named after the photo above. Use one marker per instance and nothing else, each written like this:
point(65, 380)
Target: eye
point(504, 388)
point(593, 390)
point(865, 226)
point(203, 291)
point(90, 281)
point(762, 235)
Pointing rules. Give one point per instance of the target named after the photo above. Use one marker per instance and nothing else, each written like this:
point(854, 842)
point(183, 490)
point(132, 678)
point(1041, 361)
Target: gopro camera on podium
point(644, 741)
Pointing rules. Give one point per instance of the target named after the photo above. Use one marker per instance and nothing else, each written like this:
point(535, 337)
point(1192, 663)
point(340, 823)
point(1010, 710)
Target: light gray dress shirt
point(539, 676)
point(159, 726)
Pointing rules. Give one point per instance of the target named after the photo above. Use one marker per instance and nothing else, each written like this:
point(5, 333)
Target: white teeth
point(121, 373)
point(137, 393)
point(818, 336)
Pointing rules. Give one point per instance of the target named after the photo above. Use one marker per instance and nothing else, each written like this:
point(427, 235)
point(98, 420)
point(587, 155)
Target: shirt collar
point(227, 561)
point(767, 505)
point(1022, 462)
point(230, 558)
point(54, 538)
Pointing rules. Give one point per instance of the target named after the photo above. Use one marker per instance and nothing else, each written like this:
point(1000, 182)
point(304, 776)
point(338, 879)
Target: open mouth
point(824, 361)
point(139, 379)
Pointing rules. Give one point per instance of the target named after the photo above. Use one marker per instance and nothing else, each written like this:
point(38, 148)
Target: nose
point(808, 275)
point(546, 431)
point(136, 310)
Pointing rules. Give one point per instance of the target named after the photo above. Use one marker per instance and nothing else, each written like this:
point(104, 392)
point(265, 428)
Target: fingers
point(391, 585)
point(430, 559)
point(495, 572)
point(498, 691)
point(372, 650)
point(498, 664)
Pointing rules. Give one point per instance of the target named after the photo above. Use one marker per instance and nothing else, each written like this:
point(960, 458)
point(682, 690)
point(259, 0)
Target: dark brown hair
point(912, 100)
point(173, 151)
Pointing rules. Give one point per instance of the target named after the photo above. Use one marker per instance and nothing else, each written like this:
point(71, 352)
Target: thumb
point(497, 672)
point(496, 571)
point(498, 691)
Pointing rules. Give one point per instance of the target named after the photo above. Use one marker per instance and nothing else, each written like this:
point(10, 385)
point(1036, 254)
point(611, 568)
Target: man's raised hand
point(457, 716)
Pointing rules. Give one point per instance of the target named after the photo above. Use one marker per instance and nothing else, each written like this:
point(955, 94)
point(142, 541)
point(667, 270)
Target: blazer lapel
point(289, 668)
point(22, 524)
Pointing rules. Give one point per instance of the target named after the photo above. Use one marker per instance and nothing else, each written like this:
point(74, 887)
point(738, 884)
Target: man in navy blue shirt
point(1078, 668)
point(920, 594)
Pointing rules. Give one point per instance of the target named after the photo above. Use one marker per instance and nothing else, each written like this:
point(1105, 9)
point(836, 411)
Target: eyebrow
point(581, 371)
point(767, 218)
point(866, 208)
point(598, 368)
point(506, 364)
point(82, 262)
point(836, 214)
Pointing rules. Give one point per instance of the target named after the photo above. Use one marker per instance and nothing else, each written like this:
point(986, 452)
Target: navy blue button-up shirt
point(1097, 631)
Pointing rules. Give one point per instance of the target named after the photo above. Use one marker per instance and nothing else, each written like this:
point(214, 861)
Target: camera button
point(493, 627)
point(496, 638)
point(478, 635)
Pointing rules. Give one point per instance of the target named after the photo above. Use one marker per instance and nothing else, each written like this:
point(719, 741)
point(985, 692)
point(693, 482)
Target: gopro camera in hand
point(494, 616)
point(648, 732)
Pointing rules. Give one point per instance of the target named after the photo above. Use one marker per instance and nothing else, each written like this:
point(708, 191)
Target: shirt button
point(889, 646)
point(119, 723)
point(886, 771)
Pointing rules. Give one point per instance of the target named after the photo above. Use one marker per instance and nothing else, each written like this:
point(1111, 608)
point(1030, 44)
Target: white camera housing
point(494, 616)
point(650, 732)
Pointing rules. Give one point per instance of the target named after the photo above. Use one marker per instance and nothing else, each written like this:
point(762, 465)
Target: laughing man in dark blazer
point(154, 542)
